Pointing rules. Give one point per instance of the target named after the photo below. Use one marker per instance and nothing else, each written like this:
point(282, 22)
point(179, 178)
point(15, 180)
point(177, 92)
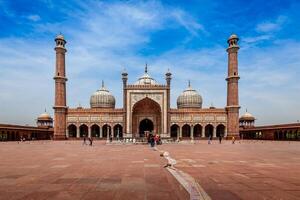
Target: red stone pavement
point(69, 170)
point(247, 170)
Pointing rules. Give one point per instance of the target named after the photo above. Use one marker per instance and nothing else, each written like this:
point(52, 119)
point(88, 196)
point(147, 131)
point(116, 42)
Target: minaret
point(232, 88)
point(124, 79)
point(168, 80)
point(60, 107)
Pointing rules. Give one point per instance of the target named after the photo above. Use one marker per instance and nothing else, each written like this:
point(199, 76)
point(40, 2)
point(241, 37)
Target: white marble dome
point(102, 98)
point(247, 117)
point(189, 98)
point(146, 79)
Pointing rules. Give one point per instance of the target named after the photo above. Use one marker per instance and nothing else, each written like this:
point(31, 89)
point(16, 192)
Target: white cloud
point(255, 39)
point(34, 18)
point(271, 26)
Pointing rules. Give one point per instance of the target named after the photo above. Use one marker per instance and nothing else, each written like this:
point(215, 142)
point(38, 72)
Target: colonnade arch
point(186, 131)
point(174, 131)
point(197, 131)
point(83, 130)
point(94, 130)
point(72, 130)
point(118, 131)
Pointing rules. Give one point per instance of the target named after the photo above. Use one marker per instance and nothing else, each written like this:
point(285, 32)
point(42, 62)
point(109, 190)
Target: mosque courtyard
point(70, 170)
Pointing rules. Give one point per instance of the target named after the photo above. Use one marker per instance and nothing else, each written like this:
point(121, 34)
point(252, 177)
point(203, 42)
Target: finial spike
point(146, 68)
point(246, 110)
point(189, 83)
point(102, 84)
point(45, 110)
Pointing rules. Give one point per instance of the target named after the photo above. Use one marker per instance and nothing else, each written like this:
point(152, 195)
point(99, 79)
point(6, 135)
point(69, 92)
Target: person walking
point(233, 140)
point(91, 141)
point(152, 141)
point(220, 138)
point(84, 140)
point(209, 139)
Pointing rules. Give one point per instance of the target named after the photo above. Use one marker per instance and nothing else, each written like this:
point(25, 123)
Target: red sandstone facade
point(146, 106)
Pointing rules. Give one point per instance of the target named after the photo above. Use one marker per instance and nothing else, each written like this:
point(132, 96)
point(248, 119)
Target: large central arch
point(146, 109)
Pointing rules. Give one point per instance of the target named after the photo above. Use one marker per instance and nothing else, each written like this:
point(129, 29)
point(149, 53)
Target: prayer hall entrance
point(146, 127)
point(146, 118)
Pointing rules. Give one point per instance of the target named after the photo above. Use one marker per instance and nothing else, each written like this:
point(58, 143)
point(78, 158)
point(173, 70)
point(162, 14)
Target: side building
point(248, 130)
point(43, 130)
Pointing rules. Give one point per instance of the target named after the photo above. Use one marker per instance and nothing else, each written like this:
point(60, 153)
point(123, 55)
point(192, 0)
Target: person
point(209, 139)
point(220, 138)
point(110, 138)
point(233, 140)
point(91, 141)
point(152, 141)
point(84, 140)
point(156, 139)
point(159, 140)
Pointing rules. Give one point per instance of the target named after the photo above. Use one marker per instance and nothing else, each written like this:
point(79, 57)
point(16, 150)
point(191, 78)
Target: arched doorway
point(220, 130)
point(146, 125)
point(209, 129)
point(197, 131)
point(83, 130)
point(106, 129)
point(186, 131)
point(72, 130)
point(174, 131)
point(118, 131)
point(95, 130)
point(146, 114)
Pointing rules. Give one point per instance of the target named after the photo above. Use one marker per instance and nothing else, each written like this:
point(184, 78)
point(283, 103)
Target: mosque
point(146, 107)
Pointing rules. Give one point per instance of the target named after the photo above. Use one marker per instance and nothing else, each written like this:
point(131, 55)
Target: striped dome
point(102, 98)
point(189, 98)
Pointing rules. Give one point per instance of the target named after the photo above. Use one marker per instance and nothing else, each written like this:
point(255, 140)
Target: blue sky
point(188, 37)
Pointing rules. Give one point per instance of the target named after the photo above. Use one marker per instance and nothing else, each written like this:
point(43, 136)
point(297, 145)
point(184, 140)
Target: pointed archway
point(146, 125)
point(146, 109)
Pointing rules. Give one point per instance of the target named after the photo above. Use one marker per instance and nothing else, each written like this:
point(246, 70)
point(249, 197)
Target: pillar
point(215, 132)
point(89, 132)
point(100, 135)
point(203, 131)
point(107, 132)
point(192, 132)
point(60, 106)
point(232, 107)
point(67, 133)
point(180, 132)
point(78, 132)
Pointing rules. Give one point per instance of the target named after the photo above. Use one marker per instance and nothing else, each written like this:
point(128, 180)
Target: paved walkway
point(68, 170)
point(248, 170)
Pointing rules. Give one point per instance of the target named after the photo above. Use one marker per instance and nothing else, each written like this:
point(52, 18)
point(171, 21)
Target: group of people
point(90, 140)
point(154, 140)
point(220, 139)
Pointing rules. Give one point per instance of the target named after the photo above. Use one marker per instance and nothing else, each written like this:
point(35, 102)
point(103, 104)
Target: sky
point(187, 37)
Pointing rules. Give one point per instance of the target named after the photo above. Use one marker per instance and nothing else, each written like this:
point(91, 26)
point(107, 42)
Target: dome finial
point(45, 110)
point(146, 68)
point(102, 84)
point(246, 110)
point(189, 83)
